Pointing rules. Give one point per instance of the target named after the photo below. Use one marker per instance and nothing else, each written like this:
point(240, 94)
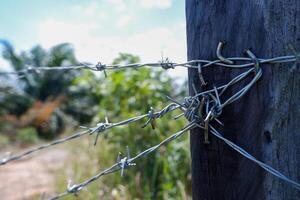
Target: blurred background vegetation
point(41, 107)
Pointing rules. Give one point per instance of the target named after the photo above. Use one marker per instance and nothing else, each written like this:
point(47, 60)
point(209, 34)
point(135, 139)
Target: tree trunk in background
point(265, 122)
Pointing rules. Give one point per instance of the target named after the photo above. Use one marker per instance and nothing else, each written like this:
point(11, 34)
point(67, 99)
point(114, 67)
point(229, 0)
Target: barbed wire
point(210, 99)
point(200, 110)
point(122, 163)
point(232, 62)
point(194, 112)
point(99, 128)
point(252, 158)
point(125, 162)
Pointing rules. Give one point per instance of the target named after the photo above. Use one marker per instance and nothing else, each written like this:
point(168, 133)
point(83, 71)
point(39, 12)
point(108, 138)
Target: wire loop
point(151, 120)
point(101, 67)
point(166, 64)
point(255, 60)
point(219, 53)
point(199, 110)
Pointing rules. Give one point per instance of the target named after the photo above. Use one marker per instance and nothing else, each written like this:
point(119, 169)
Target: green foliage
point(126, 58)
point(17, 98)
point(123, 94)
point(28, 134)
point(46, 84)
point(4, 140)
point(90, 97)
point(13, 102)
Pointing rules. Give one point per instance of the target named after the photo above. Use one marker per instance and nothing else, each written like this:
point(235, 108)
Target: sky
point(98, 29)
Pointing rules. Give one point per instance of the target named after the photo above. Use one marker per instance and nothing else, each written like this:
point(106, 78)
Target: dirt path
point(22, 180)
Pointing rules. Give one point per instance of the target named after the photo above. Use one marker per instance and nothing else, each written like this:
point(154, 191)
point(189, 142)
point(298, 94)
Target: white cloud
point(123, 21)
point(90, 10)
point(51, 32)
point(119, 5)
point(162, 4)
point(86, 10)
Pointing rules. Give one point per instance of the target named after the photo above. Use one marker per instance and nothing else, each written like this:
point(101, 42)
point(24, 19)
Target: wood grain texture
point(266, 121)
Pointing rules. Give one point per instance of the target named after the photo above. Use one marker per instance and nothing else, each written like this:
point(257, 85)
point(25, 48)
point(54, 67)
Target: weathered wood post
point(266, 121)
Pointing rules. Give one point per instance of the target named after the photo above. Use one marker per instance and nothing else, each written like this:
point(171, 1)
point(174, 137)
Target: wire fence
point(199, 110)
point(99, 128)
point(122, 163)
point(233, 62)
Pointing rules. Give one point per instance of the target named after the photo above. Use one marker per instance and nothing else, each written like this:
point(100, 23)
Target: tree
point(44, 88)
point(47, 83)
point(265, 121)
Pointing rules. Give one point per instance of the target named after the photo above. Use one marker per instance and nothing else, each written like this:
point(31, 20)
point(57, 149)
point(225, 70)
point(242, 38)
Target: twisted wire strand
point(190, 106)
point(215, 95)
point(118, 165)
point(240, 150)
point(8, 159)
point(244, 90)
point(97, 129)
point(165, 64)
point(244, 153)
point(226, 86)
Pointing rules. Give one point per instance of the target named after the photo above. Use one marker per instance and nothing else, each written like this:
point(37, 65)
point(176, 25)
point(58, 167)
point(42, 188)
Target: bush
point(28, 134)
point(3, 140)
point(164, 174)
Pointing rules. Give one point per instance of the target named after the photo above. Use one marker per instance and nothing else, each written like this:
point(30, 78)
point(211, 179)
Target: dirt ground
point(31, 177)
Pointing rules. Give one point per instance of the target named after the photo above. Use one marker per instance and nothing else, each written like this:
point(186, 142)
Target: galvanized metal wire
point(199, 110)
point(214, 106)
point(122, 164)
point(201, 117)
point(263, 165)
point(233, 62)
point(198, 118)
point(99, 128)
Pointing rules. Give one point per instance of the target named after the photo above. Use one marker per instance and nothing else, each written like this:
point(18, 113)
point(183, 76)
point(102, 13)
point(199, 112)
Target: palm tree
point(44, 87)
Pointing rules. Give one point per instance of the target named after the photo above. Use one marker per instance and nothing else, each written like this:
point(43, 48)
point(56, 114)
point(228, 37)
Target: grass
point(168, 177)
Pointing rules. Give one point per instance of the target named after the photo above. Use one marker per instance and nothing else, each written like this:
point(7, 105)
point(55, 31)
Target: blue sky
point(98, 29)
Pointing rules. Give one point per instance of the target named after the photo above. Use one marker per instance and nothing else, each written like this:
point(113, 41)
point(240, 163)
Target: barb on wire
point(201, 78)
point(165, 64)
point(101, 127)
point(199, 109)
point(122, 163)
point(151, 119)
point(101, 67)
point(97, 129)
point(214, 110)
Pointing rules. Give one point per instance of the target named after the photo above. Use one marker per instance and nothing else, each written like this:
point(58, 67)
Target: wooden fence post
point(265, 121)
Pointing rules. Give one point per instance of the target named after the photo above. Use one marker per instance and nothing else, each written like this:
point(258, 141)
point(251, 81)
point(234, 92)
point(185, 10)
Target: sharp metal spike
point(119, 157)
point(203, 83)
point(128, 152)
point(122, 170)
